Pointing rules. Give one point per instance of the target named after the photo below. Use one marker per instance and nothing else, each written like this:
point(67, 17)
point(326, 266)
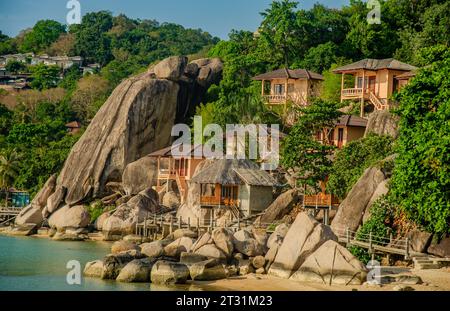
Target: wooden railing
point(275, 98)
point(218, 201)
point(320, 200)
point(357, 92)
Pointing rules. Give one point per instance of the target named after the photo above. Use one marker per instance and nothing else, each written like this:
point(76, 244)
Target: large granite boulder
point(223, 239)
point(442, 249)
point(381, 190)
point(153, 250)
point(352, 209)
point(419, 240)
point(140, 175)
point(167, 273)
point(171, 68)
point(331, 264)
point(136, 271)
point(136, 120)
point(382, 123)
point(304, 237)
point(280, 207)
point(123, 246)
point(203, 240)
point(123, 221)
point(55, 200)
point(178, 246)
point(70, 217)
point(211, 251)
point(278, 235)
point(114, 263)
point(208, 270)
point(30, 214)
point(93, 269)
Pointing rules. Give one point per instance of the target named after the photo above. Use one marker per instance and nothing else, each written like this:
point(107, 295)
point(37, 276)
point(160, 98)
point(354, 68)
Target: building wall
point(300, 90)
point(384, 86)
point(244, 199)
point(193, 163)
point(260, 198)
point(354, 133)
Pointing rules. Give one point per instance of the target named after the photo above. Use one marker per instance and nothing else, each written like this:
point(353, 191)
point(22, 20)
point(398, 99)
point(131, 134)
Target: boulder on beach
point(278, 235)
point(280, 207)
point(211, 251)
point(113, 264)
point(167, 273)
point(203, 240)
point(223, 239)
point(123, 246)
point(331, 264)
point(139, 175)
point(208, 270)
point(178, 246)
point(137, 270)
point(304, 237)
point(153, 249)
point(191, 258)
point(93, 269)
point(70, 217)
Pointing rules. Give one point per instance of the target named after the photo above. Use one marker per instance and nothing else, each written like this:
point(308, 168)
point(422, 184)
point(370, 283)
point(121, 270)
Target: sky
point(218, 17)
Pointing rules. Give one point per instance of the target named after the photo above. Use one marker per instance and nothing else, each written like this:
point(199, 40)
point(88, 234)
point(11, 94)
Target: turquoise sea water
point(37, 264)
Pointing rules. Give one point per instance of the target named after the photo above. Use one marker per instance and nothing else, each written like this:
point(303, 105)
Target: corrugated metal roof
point(256, 177)
point(349, 120)
point(223, 172)
point(167, 152)
point(376, 64)
point(289, 73)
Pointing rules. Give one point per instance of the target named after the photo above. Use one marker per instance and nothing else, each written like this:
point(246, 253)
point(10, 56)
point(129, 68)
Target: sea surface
point(39, 264)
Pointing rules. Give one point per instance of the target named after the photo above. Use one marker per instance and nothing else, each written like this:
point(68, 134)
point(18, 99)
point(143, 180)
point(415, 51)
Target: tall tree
point(279, 30)
point(9, 166)
point(43, 34)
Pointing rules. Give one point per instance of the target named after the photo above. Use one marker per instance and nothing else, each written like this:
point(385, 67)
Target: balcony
point(275, 99)
point(215, 201)
point(352, 93)
point(320, 200)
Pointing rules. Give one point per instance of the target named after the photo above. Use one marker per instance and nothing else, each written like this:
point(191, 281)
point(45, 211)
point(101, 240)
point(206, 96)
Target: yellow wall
point(384, 84)
point(300, 87)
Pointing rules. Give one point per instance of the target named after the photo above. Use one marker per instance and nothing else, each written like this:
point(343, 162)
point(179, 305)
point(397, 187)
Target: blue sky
point(217, 17)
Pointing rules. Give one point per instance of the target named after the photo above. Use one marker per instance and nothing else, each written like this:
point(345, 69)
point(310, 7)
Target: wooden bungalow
point(375, 81)
point(348, 128)
point(73, 127)
point(177, 169)
point(286, 85)
point(237, 185)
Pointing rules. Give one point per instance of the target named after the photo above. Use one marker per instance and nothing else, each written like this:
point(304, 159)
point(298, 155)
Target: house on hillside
point(177, 169)
point(238, 186)
point(286, 85)
point(404, 79)
point(73, 127)
point(375, 81)
point(348, 128)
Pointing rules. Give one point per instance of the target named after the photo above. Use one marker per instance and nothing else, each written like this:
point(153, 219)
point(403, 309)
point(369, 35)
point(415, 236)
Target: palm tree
point(9, 169)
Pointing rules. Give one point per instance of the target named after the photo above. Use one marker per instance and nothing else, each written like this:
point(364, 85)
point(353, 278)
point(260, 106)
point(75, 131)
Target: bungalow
point(286, 85)
point(73, 127)
point(348, 128)
point(375, 81)
point(236, 185)
point(176, 169)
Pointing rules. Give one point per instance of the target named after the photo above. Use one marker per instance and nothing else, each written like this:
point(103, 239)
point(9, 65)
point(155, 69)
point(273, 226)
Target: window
point(291, 88)
point(208, 190)
point(366, 82)
point(229, 192)
point(279, 89)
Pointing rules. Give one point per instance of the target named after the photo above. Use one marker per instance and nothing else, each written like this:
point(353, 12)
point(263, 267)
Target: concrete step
point(427, 266)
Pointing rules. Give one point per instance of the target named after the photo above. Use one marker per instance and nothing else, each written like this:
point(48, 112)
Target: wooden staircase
point(428, 262)
point(379, 105)
point(182, 187)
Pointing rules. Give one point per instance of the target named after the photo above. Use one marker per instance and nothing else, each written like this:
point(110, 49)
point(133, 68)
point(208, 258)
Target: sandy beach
point(433, 280)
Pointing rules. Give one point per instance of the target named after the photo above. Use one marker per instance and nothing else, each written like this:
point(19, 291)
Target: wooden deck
point(8, 214)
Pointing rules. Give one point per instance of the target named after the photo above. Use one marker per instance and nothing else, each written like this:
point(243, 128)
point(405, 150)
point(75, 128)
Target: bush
point(380, 223)
point(353, 159)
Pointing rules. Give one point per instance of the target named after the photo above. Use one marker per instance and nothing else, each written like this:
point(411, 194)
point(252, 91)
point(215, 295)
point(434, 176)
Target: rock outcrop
point(442, 249)
point(70, 217)
point(280, 207)
point(382, 123)
point(304, 237)
point(139, 175)
point(352, 209)
point(331, 264)
point(135, 120)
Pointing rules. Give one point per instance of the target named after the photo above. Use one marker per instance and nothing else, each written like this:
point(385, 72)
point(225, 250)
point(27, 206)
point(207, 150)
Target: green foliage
point(320, 58)
point(331, 86)
point(71, 76)
point(421, 179)
point(43, 34)
point(380, 224)
point(9, 166)
point(302, 152)
point(44, 77)
point(15, 66)
point(96, 209)
point(352, 160)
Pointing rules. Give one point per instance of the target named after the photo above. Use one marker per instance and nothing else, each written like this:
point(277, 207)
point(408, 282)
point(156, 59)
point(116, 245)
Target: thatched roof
point(376, 64)
point(289, 74)
point(223, 172)
point(256, 177)
point(348, 120)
